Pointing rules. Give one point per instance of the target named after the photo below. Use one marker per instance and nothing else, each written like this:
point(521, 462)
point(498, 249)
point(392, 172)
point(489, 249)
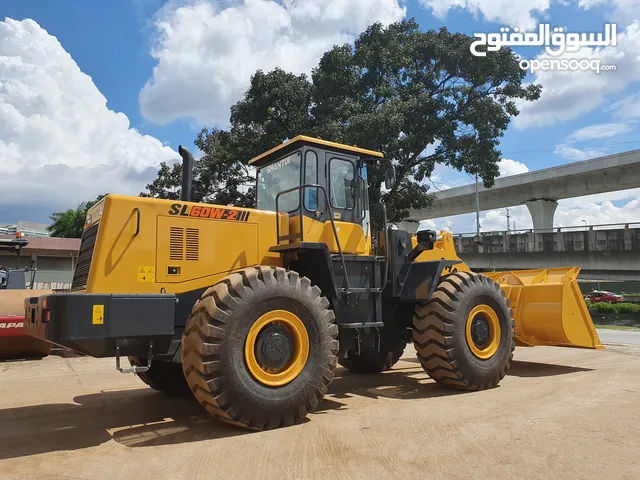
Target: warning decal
point(146, 274)
point(98, 315)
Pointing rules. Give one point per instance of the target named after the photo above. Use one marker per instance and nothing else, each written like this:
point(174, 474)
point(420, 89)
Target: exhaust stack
point(187, 173)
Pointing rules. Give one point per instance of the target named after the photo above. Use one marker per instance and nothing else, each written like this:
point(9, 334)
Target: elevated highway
point(540, 190)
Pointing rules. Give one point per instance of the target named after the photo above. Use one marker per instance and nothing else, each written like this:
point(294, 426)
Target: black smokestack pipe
point(187, 173)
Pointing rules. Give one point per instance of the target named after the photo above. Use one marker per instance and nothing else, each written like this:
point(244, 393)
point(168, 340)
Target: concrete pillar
point(542, 213)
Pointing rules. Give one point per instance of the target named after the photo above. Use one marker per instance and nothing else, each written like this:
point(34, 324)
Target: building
point(27, 229)
point(54, 258)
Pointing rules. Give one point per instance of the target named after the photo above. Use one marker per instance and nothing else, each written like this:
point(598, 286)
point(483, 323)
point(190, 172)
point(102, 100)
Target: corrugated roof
point(49, 243)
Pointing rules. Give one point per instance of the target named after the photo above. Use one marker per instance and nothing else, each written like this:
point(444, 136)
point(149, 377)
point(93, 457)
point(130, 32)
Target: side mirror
point(390, 177)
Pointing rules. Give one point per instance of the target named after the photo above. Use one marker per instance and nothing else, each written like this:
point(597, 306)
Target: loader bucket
point(548, 308)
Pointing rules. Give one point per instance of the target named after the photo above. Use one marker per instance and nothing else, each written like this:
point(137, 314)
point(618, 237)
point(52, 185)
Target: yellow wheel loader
point(250, 310)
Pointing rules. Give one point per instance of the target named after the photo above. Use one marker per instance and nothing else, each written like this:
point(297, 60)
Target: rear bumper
point(103, 325)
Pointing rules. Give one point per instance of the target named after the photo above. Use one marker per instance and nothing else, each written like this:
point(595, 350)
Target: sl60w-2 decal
point(209, 212)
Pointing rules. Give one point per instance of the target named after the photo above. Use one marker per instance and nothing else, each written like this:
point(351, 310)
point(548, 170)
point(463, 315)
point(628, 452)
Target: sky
point(94, 95)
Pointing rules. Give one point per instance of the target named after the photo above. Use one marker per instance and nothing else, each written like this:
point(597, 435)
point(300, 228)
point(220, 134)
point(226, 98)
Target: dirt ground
point(561, 413)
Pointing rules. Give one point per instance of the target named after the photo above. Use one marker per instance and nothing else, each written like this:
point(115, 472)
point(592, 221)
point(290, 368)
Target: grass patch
point(617, 308)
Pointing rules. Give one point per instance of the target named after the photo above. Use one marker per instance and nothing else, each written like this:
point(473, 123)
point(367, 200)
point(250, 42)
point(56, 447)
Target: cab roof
point(301, 140)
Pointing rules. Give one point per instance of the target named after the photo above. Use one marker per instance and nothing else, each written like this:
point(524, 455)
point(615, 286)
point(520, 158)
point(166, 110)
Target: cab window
point(342, 183)
point(278, 177)
point(310, 176)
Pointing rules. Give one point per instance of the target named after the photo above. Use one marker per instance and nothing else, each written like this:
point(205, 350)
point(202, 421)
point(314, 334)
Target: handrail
point(301, 189)
point(387, 250)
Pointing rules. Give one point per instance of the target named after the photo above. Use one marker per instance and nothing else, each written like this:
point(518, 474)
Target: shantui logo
point(556, 42)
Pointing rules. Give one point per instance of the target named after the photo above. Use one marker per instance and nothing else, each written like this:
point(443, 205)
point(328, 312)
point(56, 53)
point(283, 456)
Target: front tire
point(259, 348)
point(465, 335)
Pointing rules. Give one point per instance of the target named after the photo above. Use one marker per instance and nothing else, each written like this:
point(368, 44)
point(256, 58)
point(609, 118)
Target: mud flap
point(548, 308)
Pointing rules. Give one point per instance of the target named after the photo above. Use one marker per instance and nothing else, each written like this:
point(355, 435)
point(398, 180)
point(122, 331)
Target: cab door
point(341, 178)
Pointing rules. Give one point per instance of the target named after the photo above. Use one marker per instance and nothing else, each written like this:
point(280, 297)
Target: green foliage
point(70, 223)
point(617, 308)
point(166, 183)
point(398, 90)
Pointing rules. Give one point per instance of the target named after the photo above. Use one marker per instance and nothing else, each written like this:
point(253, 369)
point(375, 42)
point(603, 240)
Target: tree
point(70, 223)
point(419, 97)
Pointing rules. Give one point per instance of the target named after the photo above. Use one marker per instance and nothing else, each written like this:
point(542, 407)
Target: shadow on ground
point(401, 383)
point(137, 417)
point(534, 369)
point(143, 417)
point(520, 368)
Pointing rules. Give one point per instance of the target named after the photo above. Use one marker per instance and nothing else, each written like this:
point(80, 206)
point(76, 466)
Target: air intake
point(176, 243)
point(184, 244)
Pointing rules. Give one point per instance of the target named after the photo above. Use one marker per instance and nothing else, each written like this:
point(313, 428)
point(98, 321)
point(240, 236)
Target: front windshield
point(278, 177)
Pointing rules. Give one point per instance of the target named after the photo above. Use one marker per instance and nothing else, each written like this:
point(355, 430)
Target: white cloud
point(623, 10)
point(628, 107)
point(597, 213)
point(527, 13)
point(598, 198)
point(570, 151)
point(599, 132)
point(59, 143)
point(575, 154)
point(207, 54)
point(520, 13)
point(567, 95)
point(444, 177)
point(510, 167)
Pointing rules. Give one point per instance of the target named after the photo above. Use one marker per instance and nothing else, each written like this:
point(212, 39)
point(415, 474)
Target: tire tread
point(434, 327)
point(205, 331)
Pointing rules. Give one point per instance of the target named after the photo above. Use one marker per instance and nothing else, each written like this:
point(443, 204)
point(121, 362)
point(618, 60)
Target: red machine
point(14, 343)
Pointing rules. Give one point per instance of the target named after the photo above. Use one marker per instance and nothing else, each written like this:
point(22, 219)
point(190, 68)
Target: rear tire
point(391, 349)
point(465, 335)
point(165, 377)
point(222, 365)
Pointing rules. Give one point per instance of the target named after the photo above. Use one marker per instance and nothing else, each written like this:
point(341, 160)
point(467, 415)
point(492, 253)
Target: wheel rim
point(276, 348)
point(483, 331)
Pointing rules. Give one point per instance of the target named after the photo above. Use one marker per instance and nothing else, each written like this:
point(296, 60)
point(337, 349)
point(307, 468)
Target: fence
point(51, 286)
point(574, 228)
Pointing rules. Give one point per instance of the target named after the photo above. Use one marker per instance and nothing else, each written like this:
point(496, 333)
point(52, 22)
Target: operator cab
point(338, 174)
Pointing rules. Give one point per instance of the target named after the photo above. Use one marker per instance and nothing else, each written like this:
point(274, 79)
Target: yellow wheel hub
point(276, 348)
point(483, 331)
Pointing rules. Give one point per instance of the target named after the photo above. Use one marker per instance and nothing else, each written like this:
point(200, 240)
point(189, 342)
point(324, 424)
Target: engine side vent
point(83, 264)
point(193, 243)
point(176, 243)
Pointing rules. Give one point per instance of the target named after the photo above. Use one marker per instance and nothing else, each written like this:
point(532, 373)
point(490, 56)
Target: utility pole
point(508, 224)
point(477, 209)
